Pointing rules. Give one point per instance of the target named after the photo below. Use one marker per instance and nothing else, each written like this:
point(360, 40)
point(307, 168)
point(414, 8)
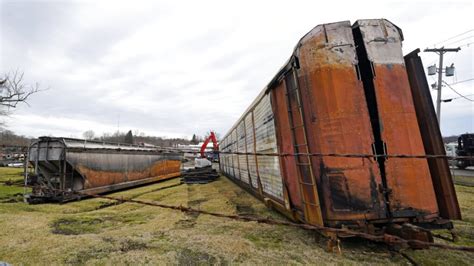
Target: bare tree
point(13, 90)
point(88, 135)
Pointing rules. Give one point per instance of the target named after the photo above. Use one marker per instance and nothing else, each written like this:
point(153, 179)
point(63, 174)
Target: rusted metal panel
point(307, 180)
point(288, 163)
point(409, 189)
point(431, 136)
point(338, 122)
point(326, 99)
point(78, 165)
point(102, 169)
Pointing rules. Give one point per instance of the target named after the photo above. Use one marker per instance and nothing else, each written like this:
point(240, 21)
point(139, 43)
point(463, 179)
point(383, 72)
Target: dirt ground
point(99, 231)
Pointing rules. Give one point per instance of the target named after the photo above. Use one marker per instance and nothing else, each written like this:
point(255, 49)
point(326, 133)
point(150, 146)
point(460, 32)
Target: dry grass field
point(99, 231)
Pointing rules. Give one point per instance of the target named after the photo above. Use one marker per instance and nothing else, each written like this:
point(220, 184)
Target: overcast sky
point(176, 68)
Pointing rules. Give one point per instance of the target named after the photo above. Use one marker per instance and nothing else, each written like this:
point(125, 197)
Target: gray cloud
point(177, 69)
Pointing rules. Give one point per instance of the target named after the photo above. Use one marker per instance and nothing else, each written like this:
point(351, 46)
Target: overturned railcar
point(67, 169)
point(345, 90)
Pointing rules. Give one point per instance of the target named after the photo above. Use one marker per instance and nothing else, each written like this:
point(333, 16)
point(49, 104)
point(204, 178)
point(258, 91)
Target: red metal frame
point(212, 137)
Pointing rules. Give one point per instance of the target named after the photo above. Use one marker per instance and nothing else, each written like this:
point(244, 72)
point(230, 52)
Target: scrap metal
point(334, 138)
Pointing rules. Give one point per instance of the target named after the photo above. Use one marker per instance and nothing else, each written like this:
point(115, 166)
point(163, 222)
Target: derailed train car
point(67, 169)
point(345, 90)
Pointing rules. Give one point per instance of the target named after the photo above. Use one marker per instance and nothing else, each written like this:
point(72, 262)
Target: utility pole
point(441, 51)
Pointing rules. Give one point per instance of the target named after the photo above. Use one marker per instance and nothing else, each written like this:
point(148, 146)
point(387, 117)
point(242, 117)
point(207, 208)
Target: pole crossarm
point(442, 50)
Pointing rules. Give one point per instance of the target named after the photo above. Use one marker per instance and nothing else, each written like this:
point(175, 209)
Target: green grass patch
point(464, 180)
point(11, 174)
point(106, 249)
point(99, 231)
point(91, 224)
point(77, 225)
point(11, 185)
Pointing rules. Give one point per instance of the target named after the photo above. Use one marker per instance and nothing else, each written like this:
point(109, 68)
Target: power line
point(457, 92)
point(467, 44)
point(459, 40)
point(462, 81)
point(454, 37)
point(450, 99)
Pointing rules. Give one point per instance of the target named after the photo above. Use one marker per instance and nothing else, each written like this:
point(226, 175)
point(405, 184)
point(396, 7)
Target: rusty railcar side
point(394, 120)
point(345, 90)
point(338, 122)
point(63, 166)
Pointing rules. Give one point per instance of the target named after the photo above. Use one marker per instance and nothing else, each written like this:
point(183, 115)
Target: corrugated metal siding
point(225, 158)
point(230, 166)
point(252, 163)
point(255, 134)
point(90, 144)
point(222, 163)
point(268, 166)
point(235, 158)
point(244, 174)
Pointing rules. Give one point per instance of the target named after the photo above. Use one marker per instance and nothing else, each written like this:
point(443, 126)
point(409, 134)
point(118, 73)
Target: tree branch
point(13, 90)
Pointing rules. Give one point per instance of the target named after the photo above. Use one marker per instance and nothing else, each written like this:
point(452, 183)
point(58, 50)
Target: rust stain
point(97, 178)
point(409, 179)
point(339, 123)
point(289, 171)
point(349, 105)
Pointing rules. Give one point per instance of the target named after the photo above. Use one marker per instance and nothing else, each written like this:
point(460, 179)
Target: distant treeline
point(449, 139)
point(9, 138)
point(138, 138)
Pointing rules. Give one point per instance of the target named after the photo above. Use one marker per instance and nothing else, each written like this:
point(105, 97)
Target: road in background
point(469, 171)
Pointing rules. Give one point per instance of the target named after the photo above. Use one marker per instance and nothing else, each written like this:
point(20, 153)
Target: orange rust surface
point(337, 120)
point(339, 123)
point(96, 178)
point(409, 179)
point(284, 140)
point(165, 167)
point(108, 188)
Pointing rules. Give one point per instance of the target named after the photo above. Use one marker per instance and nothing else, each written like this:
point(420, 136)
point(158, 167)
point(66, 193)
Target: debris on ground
point(201, 175)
